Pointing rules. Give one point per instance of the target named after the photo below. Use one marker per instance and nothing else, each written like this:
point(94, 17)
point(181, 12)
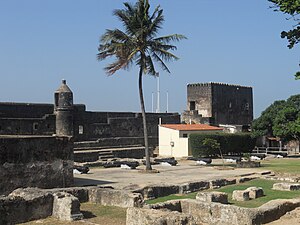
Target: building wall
point(201, 94)
point(218, 103)
point(180, 139)
point(35, 161)
point(232, 104)
point(38, 119)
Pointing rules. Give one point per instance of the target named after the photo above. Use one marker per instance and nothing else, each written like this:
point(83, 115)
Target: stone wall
point(39, 119)
point(35, 161)
point(218, 103)
point(189, 211)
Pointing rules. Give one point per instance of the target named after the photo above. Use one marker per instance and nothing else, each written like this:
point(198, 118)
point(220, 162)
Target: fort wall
point(35, 161)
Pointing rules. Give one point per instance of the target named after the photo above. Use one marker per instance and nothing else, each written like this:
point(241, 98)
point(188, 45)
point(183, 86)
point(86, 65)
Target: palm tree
point(138, 44)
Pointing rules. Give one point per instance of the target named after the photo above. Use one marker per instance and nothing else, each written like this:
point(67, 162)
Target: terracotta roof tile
point(187, 127)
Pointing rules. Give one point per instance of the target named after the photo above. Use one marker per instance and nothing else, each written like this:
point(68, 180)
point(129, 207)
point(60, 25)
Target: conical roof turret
point(63, 87)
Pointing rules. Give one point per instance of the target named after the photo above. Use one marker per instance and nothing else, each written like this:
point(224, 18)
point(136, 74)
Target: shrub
point(233, 144)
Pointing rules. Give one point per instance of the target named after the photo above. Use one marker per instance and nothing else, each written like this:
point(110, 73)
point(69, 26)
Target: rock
point(66, 207)
point(286, 186)
point(240, 195)
point(215, 196)
point(255, 192)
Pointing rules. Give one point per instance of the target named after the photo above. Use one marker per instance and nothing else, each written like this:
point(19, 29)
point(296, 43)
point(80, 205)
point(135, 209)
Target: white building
point(173, 138)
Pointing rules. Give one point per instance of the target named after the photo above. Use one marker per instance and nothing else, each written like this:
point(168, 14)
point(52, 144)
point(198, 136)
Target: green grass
point(265, 184)
point(282, 166)
point(93, 214)
point(172, 197)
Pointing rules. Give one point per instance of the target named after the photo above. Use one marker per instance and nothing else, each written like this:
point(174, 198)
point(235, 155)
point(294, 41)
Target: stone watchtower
point(63, 109)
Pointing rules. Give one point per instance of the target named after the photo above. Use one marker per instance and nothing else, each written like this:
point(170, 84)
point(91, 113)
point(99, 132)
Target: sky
point(233, 41)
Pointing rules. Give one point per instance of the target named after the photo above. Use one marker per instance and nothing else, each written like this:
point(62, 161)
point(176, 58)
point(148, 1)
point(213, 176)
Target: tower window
point(35, 126)
point(192, 105)
point(80, 129)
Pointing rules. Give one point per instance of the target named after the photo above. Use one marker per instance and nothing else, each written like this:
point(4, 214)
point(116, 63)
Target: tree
point(281, 119)
point(292, 8)
point(138, 44)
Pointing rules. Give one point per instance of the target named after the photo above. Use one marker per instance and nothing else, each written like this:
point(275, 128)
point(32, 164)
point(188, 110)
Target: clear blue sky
point(234, 41)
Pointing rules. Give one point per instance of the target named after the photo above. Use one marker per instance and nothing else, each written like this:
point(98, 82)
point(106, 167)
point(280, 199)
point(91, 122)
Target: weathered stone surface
point(156, 191)
point(113, 197)
point(215, 196)
point(247, 164)
point(29, 161)
point(137, 216)
point(286, 186)
point(221, 182)
point(172, 205)
point(24, 205)
point(255, 192)
point(240, 195)
point(66, 207)
point(193, 186)
point(209, 213)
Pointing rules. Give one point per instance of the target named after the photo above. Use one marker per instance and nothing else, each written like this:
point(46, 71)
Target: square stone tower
point(219, 103)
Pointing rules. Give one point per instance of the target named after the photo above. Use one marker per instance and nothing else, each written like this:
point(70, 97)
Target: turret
point(63, 109)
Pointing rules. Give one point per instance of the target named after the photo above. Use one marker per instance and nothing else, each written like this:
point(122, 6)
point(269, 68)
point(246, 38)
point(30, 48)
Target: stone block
point(66, 207)
point(193, 186)
point(286, 186)
point(113, 197)
point(215, 196)
point(255, 192)
point(240, 195)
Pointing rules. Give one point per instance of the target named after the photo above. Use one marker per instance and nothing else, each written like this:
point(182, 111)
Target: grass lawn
point(265, 184)
point(93, 214)
point(282, 166)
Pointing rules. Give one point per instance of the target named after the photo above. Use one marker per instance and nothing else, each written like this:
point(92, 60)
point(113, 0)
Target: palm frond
point(161, 62)
point(172, 37)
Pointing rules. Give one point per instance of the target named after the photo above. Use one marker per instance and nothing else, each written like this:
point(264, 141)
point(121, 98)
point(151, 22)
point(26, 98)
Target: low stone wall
point(115, 197)
point(35, 161)
point(21, 207)
point(197, 212)
point(155, 191)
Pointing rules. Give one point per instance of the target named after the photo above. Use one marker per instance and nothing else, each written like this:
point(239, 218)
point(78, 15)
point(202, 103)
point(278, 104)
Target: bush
point(233, 144)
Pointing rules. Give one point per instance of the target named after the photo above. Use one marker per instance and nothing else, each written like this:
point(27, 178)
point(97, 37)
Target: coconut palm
point(138, 44)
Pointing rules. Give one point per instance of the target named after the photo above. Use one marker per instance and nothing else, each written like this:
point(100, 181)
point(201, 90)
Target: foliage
point(281, 119)
point(221, 142)
point(292, 8)
point(210, 145)
point(138, 44)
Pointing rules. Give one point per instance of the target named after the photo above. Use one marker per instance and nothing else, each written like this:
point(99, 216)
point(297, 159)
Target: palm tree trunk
point(147, 153)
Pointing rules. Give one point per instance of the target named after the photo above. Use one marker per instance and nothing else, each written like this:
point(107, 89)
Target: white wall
point(181, 144)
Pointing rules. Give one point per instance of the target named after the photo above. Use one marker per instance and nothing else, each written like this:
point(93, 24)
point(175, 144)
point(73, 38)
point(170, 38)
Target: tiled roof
point(192, 127)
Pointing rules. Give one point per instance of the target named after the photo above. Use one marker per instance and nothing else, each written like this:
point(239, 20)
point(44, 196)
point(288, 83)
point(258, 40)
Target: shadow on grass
point(88, 214)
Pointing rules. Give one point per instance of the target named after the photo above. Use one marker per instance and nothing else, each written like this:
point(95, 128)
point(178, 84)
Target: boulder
point(240, 195)
point(66, 207)
point(214, 196)
point(286, 186)
point(255, 192)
